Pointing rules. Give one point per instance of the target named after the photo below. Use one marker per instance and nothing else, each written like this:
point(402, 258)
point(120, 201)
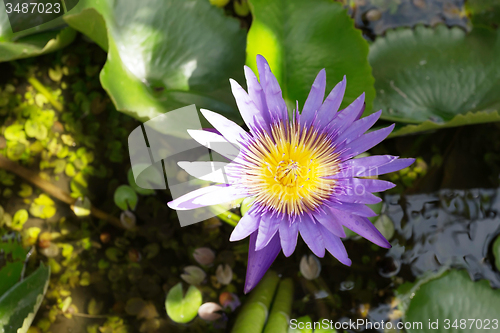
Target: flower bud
point(224, 274)
point(204, 256)
point(127, 218)
point(310, 267)
point(208, 311)
point(193, 275)
point(227, 299)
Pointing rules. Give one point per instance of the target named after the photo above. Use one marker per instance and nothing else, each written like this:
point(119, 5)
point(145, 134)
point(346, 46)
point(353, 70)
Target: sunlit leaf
point(438, 77)
point(300, 37)
point(20, 303)
point(183, 308)
point(164, 54)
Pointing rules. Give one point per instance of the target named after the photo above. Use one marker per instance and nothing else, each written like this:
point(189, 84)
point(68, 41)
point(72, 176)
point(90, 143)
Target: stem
point(282, 308)
point(225, 215)
point(52, 190)
point(41, 89)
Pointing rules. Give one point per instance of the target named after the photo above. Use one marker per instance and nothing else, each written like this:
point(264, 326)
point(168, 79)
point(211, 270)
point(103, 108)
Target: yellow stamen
point(285, 168)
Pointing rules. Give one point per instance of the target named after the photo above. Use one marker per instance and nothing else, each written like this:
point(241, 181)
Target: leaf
point(300, 37)
point(19, 304)
point(496, 252)
point(12, 257)
point(469, 118)
point(164, 54)
point(451, 295)
point(483, 12)
point(183, 309)
point(39, 40)
point(437, 77)
point(19, 219)
point(125, 197)
point(43, 207)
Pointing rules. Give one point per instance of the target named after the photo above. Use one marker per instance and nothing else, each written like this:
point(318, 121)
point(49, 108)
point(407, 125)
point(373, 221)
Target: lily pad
point(125, 197)
point(17, 315)
point(300, 37)
point(438, 77)
point(12, 257)
point(452, 296)
point(43, 207)
point(183, 308)
point(39, 40)
point(164, 54)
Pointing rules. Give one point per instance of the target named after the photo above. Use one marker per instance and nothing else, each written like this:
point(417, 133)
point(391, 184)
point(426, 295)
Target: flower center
point(285, 169)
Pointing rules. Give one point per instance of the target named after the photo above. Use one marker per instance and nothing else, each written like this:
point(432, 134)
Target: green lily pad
point(483, 12)
point(300, 37)
point(496, 252)
point(164, 54)
point(20, 303)
point(39, 40)
point(183, 308)
point(452, 296)
point(12, 257)
point(125, 197)
point(19, 219)
point(438, 77)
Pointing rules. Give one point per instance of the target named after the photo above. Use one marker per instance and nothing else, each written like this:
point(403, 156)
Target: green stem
point(225, 215)
point(282, 308)
point(41, 89)
point(253, 315)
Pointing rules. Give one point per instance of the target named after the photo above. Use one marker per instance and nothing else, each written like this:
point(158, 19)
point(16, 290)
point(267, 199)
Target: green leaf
point(19, 304)
point(125, 197)
point(183, 309)
point(484, 12)
point(12, 257)
point(437, 77)
point(164, 54)
point(42, 39)
point(452, 296)
point(496, 252)
point(300, 37)
point(139, 190)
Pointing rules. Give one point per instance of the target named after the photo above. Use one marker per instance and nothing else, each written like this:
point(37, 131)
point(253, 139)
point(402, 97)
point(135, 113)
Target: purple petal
point(260, 261)
point(358, 128)
point(229, 129)
point(247, 107)
point(371, 185)
point(346, 117)
point(217, 172)
point(288, 236)
point(353, 208)
point(246, 226)
point(365, 142)
point(255, 92)
point(335, 246)
point(315, 98)
point(272, 90)
point(311, 235)
point(330, 222)
point(216, 142)
point(363, 227)
point(329, 109)
point(207, 196)
point(268, 227)
point(395, 165)
point(363, 166)
point(363, 197)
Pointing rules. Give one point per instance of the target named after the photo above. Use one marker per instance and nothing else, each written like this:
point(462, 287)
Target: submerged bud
point(224, 274)
point(310, 267)
point(208, 311)
point(204, 256)
point(193, 275)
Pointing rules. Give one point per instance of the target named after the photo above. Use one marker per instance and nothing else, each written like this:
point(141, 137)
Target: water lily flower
point(299, 168)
